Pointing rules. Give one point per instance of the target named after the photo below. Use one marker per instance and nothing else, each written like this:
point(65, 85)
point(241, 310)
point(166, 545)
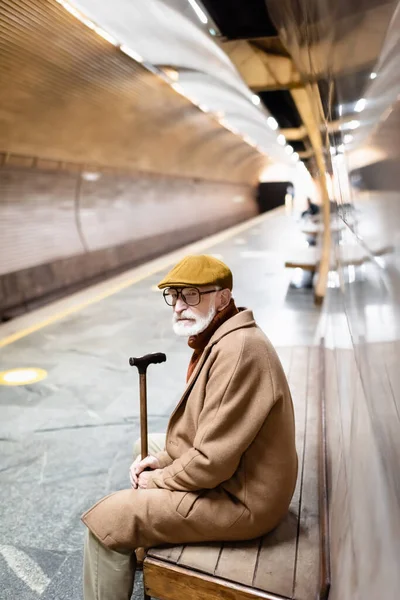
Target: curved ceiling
point(164, 37)
point(71, 97)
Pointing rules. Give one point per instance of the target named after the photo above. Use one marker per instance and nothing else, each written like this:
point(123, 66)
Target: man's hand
point(144, 478)
point(139, 465)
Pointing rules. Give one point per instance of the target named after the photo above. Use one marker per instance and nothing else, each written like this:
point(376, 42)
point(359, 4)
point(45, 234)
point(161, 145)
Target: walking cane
point(142, 363)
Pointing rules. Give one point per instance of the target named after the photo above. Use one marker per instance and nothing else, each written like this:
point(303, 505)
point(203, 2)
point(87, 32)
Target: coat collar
point(244, 318)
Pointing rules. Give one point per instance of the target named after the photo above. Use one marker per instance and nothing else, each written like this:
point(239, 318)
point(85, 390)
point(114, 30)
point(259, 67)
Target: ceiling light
point(77, 14)
point(373, 75)
point(360, 105)
point(255, 99)
point(289, 149)
point(199, 12)
point(273, 123)
point(171, 73)
point(90, 176)
point(347, 138)
point(228, 127)
point(281, 139)
point(350, 125)
point(106, 36)
point(22, 376)
point(353, 124)
point(70, 8)
point(212, 31)
point(248, 140)
point(295, 156)
point(178, 88)
point(131, 53)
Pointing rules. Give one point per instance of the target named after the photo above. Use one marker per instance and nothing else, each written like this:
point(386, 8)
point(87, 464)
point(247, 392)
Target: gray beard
point(201, 323)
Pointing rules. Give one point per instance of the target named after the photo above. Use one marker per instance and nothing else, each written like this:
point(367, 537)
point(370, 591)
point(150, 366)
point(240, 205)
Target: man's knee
point(93, 547)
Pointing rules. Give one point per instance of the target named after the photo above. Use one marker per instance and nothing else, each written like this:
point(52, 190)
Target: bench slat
point(168, 553)
point(275, 569)
point(238, 561)
point(203, 557)
point(307, 564)
point(276, 566)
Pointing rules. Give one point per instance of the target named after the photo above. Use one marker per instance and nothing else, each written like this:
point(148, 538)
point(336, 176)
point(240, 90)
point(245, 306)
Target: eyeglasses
point(190, 295)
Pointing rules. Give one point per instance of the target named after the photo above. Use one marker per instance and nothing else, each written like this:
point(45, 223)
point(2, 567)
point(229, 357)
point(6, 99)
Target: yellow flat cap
point(199, 270)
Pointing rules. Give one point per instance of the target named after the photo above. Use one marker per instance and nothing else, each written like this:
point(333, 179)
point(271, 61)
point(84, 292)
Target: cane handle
point(143, 362)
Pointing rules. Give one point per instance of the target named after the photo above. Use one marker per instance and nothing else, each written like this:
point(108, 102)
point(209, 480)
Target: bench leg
point(145, 596)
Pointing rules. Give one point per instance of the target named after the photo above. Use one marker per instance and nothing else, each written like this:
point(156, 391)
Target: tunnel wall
point(363, 342)
point(59, 231)
point(103, 163)
point(362, 392)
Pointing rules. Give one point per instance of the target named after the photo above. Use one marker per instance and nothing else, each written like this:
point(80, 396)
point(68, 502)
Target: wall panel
point(354, 47)
point(59, 231)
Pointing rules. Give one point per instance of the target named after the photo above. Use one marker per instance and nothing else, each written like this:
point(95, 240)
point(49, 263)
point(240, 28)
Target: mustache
point(185, 314)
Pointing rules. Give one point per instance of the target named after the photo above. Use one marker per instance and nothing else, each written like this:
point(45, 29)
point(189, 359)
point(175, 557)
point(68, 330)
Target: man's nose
point(180, 305)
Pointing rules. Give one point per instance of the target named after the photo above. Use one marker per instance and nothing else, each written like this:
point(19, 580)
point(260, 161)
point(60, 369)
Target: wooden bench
point(351, 254)
point(305, 258)
point(286, 563)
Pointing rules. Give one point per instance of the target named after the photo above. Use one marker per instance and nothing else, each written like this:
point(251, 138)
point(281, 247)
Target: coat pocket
point(186, 503)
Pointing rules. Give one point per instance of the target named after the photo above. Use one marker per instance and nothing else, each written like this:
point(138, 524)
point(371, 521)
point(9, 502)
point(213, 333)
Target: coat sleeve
point(239, 395)
point(163, 458)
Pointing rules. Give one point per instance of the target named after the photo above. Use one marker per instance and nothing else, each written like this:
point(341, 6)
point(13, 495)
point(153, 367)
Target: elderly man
point(229, 466)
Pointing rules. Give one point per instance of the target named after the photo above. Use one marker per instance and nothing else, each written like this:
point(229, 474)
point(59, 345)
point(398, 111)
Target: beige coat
point(230, 464)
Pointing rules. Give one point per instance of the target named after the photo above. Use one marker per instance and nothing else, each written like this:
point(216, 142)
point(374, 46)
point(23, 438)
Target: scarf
point(200, 341)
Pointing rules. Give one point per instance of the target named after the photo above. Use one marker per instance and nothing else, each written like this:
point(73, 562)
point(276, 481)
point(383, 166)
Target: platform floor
point(67, 440)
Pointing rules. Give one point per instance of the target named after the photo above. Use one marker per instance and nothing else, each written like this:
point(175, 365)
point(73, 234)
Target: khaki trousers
point(107, 574)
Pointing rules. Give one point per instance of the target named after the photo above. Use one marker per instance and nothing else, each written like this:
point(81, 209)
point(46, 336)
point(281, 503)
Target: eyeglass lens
point(189, 295)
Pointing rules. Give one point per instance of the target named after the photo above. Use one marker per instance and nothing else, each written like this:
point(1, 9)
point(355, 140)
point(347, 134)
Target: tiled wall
point(58, 230)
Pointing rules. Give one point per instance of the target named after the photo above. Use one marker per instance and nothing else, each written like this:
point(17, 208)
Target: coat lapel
point(245, 318)
point(193, 377)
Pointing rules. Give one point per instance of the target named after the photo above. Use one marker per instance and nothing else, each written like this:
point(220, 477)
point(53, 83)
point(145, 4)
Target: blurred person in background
point(312, 209)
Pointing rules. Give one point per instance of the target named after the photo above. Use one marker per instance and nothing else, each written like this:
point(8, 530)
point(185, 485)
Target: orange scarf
point(200, 341)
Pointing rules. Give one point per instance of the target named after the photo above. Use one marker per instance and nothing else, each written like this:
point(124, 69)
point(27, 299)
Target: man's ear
point(225, 298)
